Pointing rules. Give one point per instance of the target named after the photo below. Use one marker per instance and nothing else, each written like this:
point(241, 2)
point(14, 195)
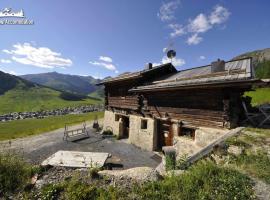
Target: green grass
point(259, 96)
point(27, 127)
point(204, 180)
point(254, 161)
point(35, 99)
point(15, 173)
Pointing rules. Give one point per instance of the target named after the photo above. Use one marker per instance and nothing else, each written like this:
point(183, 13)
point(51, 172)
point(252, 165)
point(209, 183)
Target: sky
point(108, 37)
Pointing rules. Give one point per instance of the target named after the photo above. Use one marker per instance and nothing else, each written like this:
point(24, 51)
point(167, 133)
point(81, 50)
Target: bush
point(51, 191)
point(15, 173)
point(107, 132)
point(204, 180)
point(77, 190)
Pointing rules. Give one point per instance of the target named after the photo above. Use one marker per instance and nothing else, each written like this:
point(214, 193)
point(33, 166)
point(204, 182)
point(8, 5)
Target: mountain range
point(83, 85)
point(19, 95)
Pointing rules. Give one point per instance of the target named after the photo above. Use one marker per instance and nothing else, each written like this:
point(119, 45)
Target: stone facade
point(144, 138)
point(110, 123)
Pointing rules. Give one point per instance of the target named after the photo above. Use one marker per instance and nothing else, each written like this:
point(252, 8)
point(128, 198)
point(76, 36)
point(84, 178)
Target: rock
point(174, 173)
point(235, 150)
point(141, 174)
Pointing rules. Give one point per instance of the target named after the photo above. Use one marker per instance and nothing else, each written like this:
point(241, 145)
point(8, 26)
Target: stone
point(141, 174)
point(174, 173)
point(235, 150)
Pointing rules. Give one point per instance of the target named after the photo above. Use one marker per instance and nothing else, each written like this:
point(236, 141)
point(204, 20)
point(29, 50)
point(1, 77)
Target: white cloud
point(194, 39)
point(199, 25)
point(167, 10)
point(105, 59)
point(219, 15)
point(177, 62)
point(202, 57)
point(37, 56)
point(177, 30)
point(5, 61)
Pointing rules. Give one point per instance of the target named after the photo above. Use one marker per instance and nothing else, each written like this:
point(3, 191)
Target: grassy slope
point(254, 160)
point(259, 96)
point(27, 127)
point(36, 98)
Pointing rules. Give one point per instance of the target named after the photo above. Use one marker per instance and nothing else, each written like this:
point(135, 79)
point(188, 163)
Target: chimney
point(218, 66)
point(148, 66)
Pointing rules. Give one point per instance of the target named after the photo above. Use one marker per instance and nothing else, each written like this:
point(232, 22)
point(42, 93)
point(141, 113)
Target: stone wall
point(144, 138)
point(110, 123)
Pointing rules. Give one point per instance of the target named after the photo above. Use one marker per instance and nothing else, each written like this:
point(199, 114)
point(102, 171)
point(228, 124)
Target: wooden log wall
point(194, 108)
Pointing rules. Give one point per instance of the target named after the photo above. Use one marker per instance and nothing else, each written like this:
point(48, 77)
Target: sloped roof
point(235, 70)
point(135, 75)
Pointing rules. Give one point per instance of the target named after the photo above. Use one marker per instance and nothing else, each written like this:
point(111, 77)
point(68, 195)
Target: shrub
point(107, 132)
point(15, 173)
point(51, 191)
point(77, 190)
point(169, 162)
point(94, 172)
point(204, 180)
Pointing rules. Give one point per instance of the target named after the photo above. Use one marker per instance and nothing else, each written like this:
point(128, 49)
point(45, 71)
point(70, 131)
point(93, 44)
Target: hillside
point(18, 95)
point(260, 60)
point(85, 85)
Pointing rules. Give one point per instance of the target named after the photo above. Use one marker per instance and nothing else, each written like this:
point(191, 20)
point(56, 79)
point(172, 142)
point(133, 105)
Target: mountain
point(19, 95)
point(85, 85)
point(260, 60)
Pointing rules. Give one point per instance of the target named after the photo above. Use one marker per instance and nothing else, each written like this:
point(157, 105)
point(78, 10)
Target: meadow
point(28, 127)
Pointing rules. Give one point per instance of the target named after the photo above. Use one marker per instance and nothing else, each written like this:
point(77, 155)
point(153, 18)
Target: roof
point(135, 75)
point(235, 71)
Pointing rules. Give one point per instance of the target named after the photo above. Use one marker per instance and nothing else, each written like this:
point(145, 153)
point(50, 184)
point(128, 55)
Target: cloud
point(202, 57)
point(105, 59)
point(202, 23)
point(37, 56)
point(219, 15)
point(5, 61)
point(199, 25)
point(167, 10)
point(108, 66)
point(177, 62)
point(177, 30)
point(194, 39)
point(9, 72)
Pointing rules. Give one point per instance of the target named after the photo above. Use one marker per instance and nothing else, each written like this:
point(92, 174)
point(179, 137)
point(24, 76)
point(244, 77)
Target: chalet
point(159, 106)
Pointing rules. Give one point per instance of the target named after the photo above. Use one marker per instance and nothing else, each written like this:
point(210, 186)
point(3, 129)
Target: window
point(144, 124)
point(187, 132)
point(117, 117)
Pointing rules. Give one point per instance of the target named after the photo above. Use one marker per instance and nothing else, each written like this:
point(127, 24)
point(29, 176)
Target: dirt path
point(39, 147)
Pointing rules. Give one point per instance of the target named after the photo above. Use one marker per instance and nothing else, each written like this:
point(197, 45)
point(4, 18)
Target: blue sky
point(108, 37)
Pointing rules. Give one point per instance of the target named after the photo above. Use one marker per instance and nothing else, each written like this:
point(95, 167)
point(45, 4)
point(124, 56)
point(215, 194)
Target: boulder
point(235, 150)
point(141, 174)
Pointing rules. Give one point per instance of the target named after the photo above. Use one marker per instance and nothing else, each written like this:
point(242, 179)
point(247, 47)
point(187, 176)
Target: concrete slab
point(76, 159)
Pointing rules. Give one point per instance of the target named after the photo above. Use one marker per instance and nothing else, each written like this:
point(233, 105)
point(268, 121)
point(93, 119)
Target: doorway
point(165, 134)
point(124, 127)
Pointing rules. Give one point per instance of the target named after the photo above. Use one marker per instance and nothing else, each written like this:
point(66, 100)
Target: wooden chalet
point(154, 106)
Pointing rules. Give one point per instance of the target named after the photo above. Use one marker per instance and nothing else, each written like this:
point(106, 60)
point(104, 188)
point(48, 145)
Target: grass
point(259, 96)
point(204, 180)
point(27, 127)
point(15, 173)
point(37, 98)
point(254, 161)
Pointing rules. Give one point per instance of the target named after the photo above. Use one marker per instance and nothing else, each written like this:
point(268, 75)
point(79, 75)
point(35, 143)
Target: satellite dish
point(171, 54)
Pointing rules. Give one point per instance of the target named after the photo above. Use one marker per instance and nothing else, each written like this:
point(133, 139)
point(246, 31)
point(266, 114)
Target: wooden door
point(165, 133)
